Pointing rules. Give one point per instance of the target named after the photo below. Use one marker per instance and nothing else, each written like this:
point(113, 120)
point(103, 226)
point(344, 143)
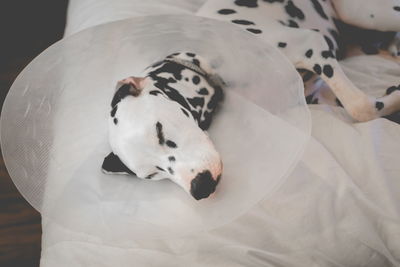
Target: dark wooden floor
point(26, 28)
point(20, 229)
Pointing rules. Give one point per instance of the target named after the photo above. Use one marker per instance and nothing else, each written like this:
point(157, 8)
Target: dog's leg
point(381, 15)
point(308, 50)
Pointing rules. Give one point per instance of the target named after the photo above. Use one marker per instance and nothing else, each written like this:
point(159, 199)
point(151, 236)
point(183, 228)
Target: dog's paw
point(363, 109)
point(394, 46)
point(389, 103)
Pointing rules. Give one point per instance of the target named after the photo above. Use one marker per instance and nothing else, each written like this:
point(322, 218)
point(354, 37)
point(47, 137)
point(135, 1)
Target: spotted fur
point(195, 95)
point(307, 32)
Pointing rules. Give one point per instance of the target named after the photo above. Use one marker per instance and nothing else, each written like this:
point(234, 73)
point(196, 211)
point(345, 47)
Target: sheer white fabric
point(260, 131)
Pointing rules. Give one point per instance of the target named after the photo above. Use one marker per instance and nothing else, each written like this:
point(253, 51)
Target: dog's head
point(155, 137)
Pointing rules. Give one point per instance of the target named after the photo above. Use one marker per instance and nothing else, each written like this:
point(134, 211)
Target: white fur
point(267, 16)
point(134, 137)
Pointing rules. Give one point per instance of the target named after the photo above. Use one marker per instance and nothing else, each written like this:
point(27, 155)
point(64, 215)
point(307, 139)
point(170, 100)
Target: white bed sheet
point(336, 209)
point(339, 207)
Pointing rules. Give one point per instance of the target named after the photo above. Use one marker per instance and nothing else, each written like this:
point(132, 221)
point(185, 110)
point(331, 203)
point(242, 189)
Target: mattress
point(340, 206)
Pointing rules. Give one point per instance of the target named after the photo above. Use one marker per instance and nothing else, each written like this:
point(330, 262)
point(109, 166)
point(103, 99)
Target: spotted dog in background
point(157, 124)
point(157, 121)
point(305, 31)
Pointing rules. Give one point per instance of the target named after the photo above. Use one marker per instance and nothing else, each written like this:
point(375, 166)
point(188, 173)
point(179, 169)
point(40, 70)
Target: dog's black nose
point(203, 185)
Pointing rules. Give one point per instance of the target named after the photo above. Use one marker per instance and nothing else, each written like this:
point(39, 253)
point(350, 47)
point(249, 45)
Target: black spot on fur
point(197, 116)
point(328, 71)
point(397, 8)
point(151, 175)
point(160, 134)
point(215, 99)
point(309, 53)
point(392, 89)
point(185, 112)
point(327, 54)
point(319, 9)
point(226, 11)
point(171, 158)
point(196, 101)
point(121, 93)
point(335, 35)
point(170, 170)
point(115, 121)
point(293, 11)
point(246, 3)
point(379, 105)
point(317, 69)
point(282, 44)
point(114, 110)
point(329, 42)
point(171, 144)
point(190, 54)
point(159, 168)
point(166, 85)
point(292, 24)
point(203, 91)
point(113, 164)
point(212, 105)
point(242, 22)
point(202, 185)
point(255, 31)
point(196, 79)
point(372, 16)
point(158, 63)
point(196, 62)
point(205, 124)
point(155, 92)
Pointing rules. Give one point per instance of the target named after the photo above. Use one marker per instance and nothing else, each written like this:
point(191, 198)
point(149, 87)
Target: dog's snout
point(203, 185)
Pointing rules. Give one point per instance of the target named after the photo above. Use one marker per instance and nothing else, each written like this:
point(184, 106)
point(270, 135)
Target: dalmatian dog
point(158, 123)
point(306, 33)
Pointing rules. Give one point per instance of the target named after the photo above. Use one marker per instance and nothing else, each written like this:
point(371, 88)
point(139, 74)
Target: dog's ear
point(113, 165)
point(136, 84)
point(131, 86)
